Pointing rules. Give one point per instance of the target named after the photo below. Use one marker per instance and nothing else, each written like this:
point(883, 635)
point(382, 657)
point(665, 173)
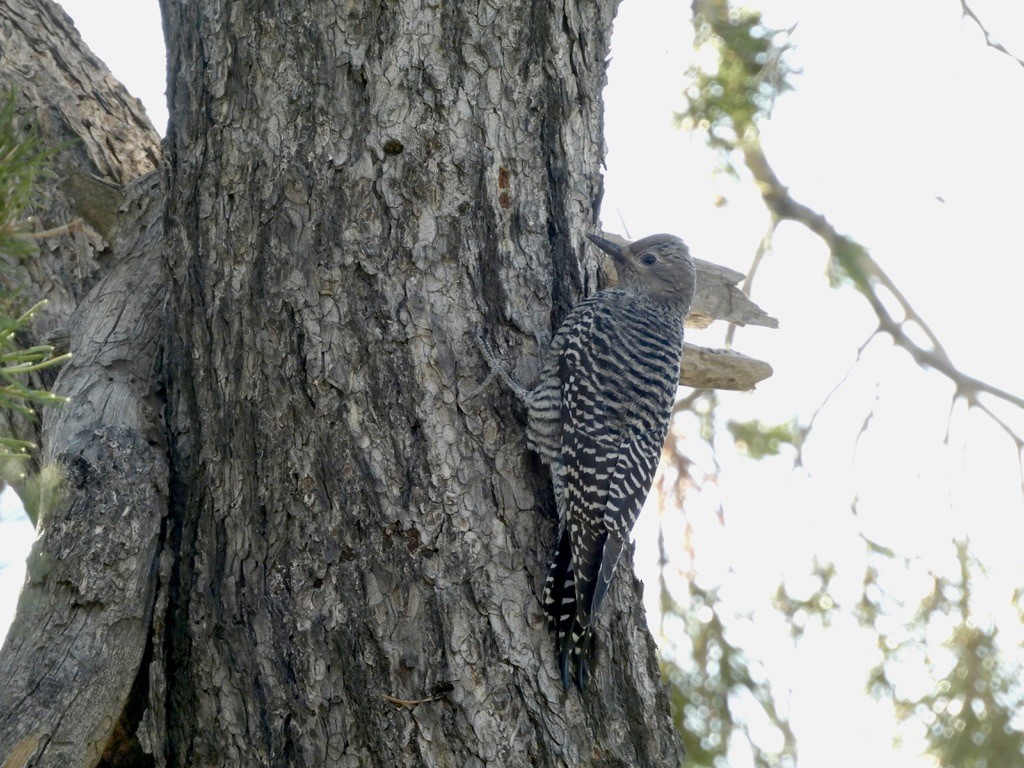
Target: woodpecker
point(598, 418)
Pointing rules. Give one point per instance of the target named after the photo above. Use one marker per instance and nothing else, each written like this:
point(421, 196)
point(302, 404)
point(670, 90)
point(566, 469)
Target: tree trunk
point(69, 661)
point(104, 141)
point(354, 191)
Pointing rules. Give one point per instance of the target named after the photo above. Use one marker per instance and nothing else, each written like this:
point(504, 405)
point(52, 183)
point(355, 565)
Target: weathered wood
point(75, 104)
point(71, 657)
point(718, 297)
point(705, 368)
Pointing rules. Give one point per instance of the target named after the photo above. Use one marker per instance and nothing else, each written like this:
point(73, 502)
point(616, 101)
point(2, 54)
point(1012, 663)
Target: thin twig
point(867, 274)
point(1017, 440)
point(684, 403)
point(990, 41)
point(799, 461)
point(64, 229)
point(442, 690)
point(763, 249)
point(868, 418)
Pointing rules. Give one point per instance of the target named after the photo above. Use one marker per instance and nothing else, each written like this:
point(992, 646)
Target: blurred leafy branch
point(729, 96)
point(758, 440)
point(22, 160)
point(990, 39)
point(970, 717)
point(710, 675)
point(971, 714)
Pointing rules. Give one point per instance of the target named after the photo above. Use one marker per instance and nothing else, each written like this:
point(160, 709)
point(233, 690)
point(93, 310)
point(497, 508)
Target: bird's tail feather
point(609, 559)
point(560, 605)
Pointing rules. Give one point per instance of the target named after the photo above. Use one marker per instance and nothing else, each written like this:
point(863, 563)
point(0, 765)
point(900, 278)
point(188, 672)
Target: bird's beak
point(613, 250)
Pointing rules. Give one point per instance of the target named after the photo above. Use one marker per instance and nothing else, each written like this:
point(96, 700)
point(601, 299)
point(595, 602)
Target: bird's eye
point(648, 259)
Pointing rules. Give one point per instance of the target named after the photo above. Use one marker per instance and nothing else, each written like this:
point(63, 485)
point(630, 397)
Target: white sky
point(899, 104)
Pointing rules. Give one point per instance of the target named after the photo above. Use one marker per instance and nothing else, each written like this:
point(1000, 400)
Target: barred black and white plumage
point(599, 417)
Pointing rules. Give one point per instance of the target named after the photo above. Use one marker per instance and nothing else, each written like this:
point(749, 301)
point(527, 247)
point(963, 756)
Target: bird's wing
point(638, 456)
point(616, 392)
point(616, 410)
point(592, 395)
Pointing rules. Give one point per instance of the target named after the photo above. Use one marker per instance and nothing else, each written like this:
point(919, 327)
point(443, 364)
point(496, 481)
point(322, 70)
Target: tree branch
point(867, 276)
point(94, 564)
point(75, 648)
point(990, 41)
point(763, 249)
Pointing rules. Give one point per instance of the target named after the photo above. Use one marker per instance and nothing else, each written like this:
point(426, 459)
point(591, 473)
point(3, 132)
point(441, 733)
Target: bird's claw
point(497, 370)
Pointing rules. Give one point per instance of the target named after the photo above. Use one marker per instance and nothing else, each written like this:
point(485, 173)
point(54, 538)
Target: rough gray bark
point(354, 192)
point(350, 202)
point(84, 615)
point(70, 659)
point(106, 140)
point(74, 101)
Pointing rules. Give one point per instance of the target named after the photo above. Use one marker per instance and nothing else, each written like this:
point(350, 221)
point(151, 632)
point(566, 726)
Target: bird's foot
point(497, 371)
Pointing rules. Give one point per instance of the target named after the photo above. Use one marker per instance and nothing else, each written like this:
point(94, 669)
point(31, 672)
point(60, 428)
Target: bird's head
point(659, 266)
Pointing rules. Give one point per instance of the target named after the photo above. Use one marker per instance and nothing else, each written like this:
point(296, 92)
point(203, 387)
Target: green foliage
point(972, 712)
point(706, 686)
point(744, 71)
point(847, 266)
point(945, 670)
point(17, 362)
point(758, 440)
point(42, 492)
point(819, 604)
point(22, 159)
